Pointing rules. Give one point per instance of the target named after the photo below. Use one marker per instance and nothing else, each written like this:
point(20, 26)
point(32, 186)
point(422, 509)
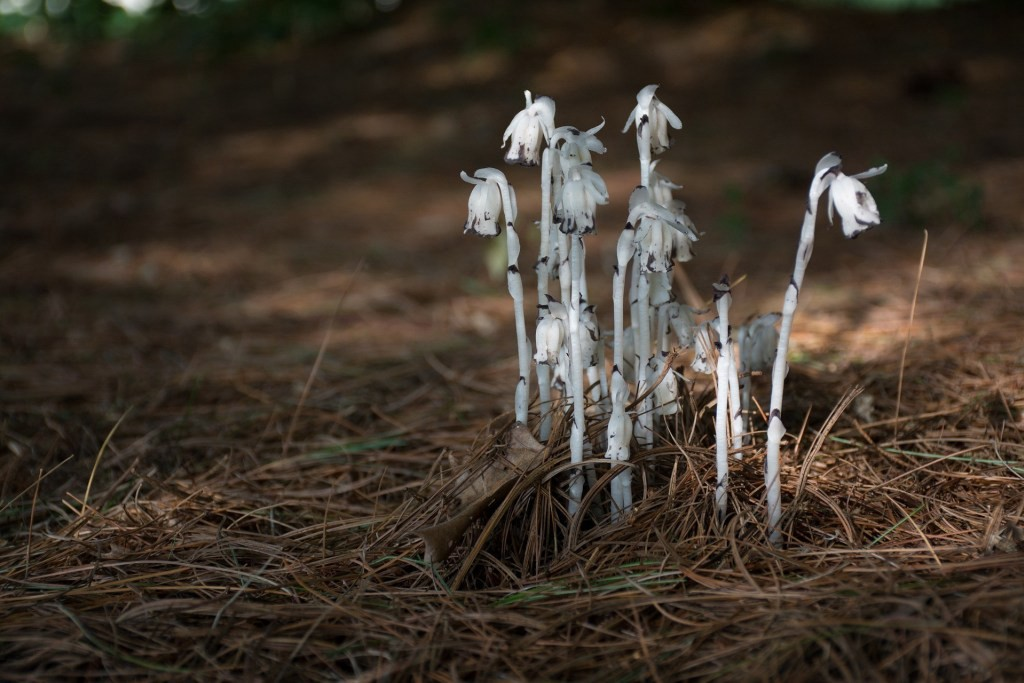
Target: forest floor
point(241, 333)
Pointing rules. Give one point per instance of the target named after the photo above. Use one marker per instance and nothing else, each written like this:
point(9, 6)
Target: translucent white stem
point(543, 277)
point(735, 407)
point(576, 375)
point(618, 442)
point(642, 340)
point(515, 288)
point(745, 381)
point(776, 428)
point(722, 439)
point(722, 407)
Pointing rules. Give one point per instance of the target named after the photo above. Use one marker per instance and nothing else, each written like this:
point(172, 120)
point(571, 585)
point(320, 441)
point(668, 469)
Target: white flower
point(650, 111)
point(758, 340)
point(661, 186)
point(854, 204)
point(582, 191)
point(682, 245)
point(485, 204)
point(655, 225)
point(682, 320)
point(847, 195)
point(528, 128)
point(550, 332)
point(577, 145)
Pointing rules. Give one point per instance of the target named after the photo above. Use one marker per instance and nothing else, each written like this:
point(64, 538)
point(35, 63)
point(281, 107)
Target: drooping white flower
point(484, 210)
point(682, 320)
point(577, 146)
point(485, 205)
point(551, 328)
point(528, 128)
point(758, 340)
point(854, 204)
point(654, 225)
point(582, 191)
point(661, 187)
point(650, 111)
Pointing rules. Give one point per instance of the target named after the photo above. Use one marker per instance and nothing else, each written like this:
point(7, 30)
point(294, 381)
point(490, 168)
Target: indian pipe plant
point(642, 380)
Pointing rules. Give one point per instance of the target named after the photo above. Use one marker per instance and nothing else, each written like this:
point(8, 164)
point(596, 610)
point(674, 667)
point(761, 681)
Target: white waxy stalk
point(481, 218)
point(620, 432)
point(644, 429)
point(858, 212)
point(543, 277)
point(623, 255)
point(723, 298)
point(737, 429)
point(576, 377)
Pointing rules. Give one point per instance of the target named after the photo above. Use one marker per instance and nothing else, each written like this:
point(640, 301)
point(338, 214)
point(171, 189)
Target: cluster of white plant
point(640, 384)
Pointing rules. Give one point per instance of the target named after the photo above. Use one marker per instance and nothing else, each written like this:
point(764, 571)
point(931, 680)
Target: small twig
point(906, 341)
point(31, 522)
point(316, 363)
point(99, 456)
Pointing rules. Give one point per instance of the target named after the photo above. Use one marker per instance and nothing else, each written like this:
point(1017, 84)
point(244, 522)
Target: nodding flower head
point(551, 328)
point(485, 204)
point(655, 232)
point(759, 338)
point(854, 204)
point(528, 128)
point(577, 145)
point(582, 191)
point(847, 194)
point(650, 111)
point(661, 186)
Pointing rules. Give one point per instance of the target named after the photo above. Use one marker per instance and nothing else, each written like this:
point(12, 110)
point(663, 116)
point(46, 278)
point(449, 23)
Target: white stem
point(515, 288)
point(745, 381)
point(776, 428)
point(543, 277)
point(721, 438)
point(564, 268)
point(722, 406)
point(621, 485)
point(618, 293)
point(644, 147)
point(735, 408)
point(642, 341)
point(576, 375)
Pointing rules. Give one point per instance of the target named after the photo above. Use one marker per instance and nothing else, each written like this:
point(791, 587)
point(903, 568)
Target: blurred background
point(192, 191)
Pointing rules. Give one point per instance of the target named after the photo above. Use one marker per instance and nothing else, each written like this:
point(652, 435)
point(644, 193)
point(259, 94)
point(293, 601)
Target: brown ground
point(241, 330)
